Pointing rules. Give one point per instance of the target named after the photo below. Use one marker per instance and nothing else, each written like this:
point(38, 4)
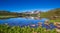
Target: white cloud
point(30, 10)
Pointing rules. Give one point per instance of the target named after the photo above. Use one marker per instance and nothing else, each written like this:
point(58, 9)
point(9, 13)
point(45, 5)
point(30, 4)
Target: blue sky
point(24, 5)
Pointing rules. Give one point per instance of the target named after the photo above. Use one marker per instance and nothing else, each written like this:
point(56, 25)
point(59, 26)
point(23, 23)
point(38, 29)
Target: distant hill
point(7, 13)
point(4, 12)
point(51, 13)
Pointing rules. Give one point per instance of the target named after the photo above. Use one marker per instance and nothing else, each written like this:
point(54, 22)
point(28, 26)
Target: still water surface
point(23, 21)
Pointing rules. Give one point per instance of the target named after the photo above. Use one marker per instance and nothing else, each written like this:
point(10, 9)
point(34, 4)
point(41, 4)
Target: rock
point(57, 30)
point(33, 25)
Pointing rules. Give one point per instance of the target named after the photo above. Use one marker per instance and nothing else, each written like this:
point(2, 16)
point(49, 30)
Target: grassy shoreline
point(57, 20)
point(18, 29)
point(2, 17)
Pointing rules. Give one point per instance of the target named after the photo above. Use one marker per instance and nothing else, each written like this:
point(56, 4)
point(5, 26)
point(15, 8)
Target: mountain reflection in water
point(33, 17)
point(23, 21)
